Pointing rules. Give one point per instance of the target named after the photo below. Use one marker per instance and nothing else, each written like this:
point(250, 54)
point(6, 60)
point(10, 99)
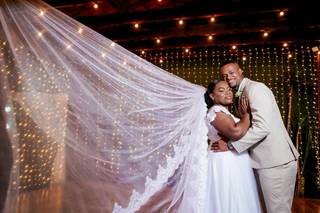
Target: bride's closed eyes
point(223, 89)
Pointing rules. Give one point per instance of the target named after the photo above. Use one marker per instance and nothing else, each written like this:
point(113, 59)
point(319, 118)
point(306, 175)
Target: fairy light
point(205, 60)
point(136, 25)
point(212, 19)
point(41, 13)
point(80, 30)
point(95, 6)
point(283, 93)
point(7, 109)
point(180, 22)
point(290, 56)
point(265, 34)
point(167, 61)
point(103, 55)
point(113, 44)
point(281, 13)
point(234, 47)
point(316, 88)
point(158, 41)
point(39, 34)
point(34, 150)
point(210, 37)
point(186, 50)
point(69, 46)
point(285, 44)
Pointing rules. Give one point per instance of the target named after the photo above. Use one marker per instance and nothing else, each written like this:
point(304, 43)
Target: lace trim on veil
point(152, 186)
point(195, 191)
point(196, 184)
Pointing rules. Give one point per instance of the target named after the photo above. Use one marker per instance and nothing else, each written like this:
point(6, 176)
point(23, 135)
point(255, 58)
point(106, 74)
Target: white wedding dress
point(231, 185)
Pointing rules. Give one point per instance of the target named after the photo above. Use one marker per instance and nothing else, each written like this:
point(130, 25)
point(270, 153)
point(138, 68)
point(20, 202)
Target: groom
point(273, 155)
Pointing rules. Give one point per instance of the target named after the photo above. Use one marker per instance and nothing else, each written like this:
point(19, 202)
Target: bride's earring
point(212, 98)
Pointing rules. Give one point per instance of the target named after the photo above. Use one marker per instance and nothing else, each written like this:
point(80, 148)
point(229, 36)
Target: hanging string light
point(281, 13)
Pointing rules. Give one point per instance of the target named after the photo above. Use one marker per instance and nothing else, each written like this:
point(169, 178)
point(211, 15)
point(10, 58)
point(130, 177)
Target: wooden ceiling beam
point(311, 35)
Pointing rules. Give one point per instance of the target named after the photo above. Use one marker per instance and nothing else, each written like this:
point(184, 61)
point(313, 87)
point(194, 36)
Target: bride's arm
point(226, 126)
point(225, 123)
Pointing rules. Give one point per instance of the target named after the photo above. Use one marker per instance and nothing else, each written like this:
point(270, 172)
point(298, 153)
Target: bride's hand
point(243, 106)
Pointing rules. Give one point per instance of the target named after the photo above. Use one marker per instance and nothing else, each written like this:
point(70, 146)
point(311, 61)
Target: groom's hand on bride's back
point(220, 145)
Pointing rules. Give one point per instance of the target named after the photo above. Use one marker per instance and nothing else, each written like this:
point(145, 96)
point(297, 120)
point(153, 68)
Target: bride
point(95, 128)
point(231, 186)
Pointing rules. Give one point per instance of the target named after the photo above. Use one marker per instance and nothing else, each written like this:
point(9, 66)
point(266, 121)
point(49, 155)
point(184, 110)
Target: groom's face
point(232, 74)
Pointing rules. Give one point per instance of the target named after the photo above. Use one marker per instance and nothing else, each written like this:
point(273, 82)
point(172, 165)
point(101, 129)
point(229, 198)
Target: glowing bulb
point(95, 6)
point(69, 46)
point(281, 13)
point(159, 0)
point(186, 50)
point(7, 126)
point(142, 52)
point(80, 30)
point(103, 55)
point(212, 19)
point(161, 61)
point(181, 22)
point(265, 34)
point(7, 109)
point(285, 44)
point(289, 56)
point(318, 52)
point(39, 34)
point(244, 58)
point(210, 37)
point(234, 47)
point(124, 63)
point(113, 44)
point(41, 13)
point(158, 41)
point(136, 25)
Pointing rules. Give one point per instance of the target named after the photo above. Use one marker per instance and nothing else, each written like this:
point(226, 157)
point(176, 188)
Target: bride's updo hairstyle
point(210, 89)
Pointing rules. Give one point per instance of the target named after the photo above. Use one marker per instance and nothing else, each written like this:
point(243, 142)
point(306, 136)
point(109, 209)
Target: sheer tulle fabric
point(111, 130)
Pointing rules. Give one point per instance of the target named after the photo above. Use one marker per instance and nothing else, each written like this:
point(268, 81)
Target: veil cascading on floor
point(94, 125)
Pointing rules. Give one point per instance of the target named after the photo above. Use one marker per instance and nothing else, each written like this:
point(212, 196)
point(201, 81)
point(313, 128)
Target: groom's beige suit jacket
point(267, 139)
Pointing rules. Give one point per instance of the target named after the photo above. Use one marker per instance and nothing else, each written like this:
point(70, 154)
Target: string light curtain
point(96, 126)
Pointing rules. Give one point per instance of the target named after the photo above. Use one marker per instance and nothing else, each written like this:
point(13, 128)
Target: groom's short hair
point(229, 62)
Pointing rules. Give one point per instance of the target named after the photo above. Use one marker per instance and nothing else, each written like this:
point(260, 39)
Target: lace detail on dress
point(211, 115)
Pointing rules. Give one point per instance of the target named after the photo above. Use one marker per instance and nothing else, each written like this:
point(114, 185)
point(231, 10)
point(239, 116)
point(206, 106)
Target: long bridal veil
point(93, 126)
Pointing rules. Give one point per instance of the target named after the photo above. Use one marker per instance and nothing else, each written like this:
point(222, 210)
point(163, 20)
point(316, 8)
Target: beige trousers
point(277, 185)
